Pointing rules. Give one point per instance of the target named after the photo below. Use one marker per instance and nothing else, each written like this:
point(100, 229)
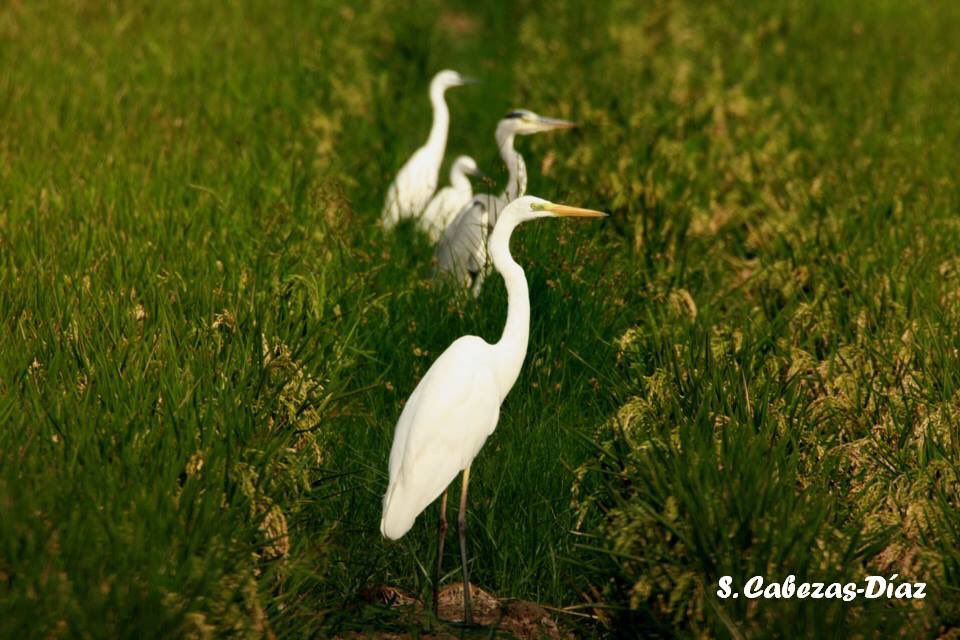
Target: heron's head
point(531, 207)
point(523, 122)
point(446, 79)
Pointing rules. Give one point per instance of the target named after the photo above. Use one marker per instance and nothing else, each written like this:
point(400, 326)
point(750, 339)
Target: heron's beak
point(554, 123)
point(468, 80)
point(563, 211)
point(476, 173)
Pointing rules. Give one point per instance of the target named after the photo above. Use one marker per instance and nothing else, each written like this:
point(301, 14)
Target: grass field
point(205, 339)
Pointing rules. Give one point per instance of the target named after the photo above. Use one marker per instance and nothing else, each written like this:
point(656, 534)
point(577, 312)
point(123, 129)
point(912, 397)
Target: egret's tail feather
point(398, 516)
point(407, 497)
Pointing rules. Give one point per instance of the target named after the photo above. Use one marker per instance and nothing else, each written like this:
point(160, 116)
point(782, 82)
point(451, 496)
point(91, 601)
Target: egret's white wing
point(443, 208)
point(441, 429)
point(390, 215)
point(411, 190)
point(432, 221)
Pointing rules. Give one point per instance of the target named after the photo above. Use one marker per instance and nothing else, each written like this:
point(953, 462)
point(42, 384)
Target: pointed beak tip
point(553, 124)
point(566, 211)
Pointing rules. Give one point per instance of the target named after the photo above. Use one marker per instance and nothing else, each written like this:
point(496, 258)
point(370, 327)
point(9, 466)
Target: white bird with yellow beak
point(456, 405)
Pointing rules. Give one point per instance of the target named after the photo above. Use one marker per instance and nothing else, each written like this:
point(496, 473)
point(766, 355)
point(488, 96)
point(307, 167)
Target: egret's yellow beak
point(563, 211)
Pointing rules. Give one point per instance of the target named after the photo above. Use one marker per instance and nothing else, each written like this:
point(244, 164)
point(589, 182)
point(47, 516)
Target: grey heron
point(461, 252)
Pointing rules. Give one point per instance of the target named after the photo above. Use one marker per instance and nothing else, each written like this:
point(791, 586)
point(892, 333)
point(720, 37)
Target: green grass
point(205, 340)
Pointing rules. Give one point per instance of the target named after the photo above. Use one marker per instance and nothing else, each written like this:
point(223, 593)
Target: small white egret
point(416, 181)
point(448, 202)
point(456, 405)
point(462, 251)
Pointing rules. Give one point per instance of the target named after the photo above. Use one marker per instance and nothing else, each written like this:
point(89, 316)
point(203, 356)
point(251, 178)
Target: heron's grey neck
point(511, 349)
point(437, 141)
point(459, 180)
point(516, 168)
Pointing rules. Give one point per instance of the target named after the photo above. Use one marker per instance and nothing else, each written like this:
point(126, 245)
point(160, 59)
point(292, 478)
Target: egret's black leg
point(442, 531)
point(462, 525)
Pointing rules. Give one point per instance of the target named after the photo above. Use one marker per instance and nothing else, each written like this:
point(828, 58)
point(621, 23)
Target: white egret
point(448, 202)
point(416, 181)
point(462, 251)
point(456, 405)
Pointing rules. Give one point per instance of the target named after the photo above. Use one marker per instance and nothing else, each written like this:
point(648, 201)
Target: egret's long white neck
point(437, 142)
point(511, 349)
point(459, 180)
point(517, 169)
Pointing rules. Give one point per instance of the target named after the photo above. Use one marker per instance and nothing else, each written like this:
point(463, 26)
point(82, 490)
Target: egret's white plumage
point(456, 405)
point(448, 202)
point(462, 252)
point(441, 429)
point(416, 181)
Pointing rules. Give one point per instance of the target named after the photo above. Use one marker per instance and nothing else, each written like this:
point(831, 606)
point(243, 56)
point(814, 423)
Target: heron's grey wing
point(495, 204)
point(462, 249)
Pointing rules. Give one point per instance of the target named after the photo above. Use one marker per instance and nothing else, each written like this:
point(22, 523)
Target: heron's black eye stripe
point(514, 114)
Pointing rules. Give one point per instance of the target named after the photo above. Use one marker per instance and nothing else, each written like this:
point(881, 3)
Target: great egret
point(450, 200)
point(462, 251)
point(457, 403)
point(416, 181)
